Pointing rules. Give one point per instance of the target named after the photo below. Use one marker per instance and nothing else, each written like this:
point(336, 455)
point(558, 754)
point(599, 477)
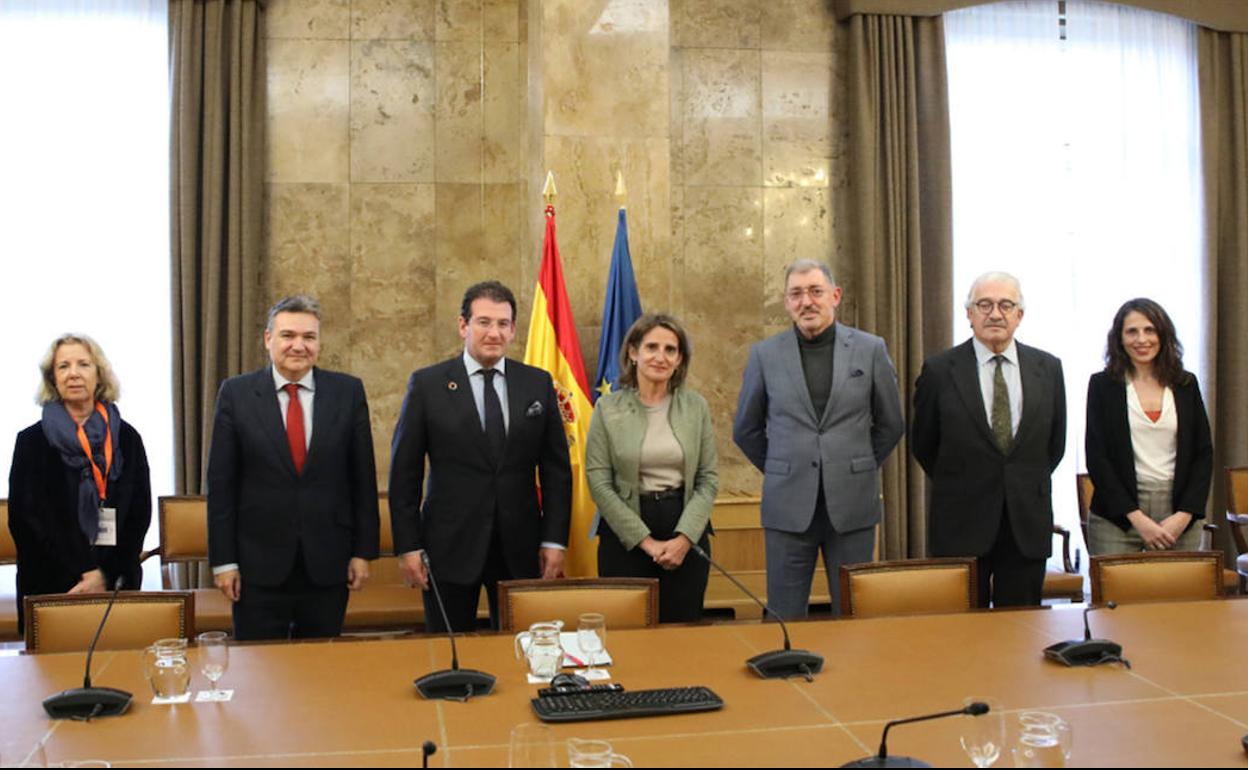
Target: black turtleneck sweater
point(817, 357)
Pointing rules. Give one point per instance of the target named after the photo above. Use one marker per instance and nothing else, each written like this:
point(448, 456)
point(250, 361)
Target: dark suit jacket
point(260, 511)
point(451, 515)
point(52, 551)
point(1111, 458)
point(972, 481)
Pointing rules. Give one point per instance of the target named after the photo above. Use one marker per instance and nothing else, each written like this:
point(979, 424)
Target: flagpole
point(621, 194)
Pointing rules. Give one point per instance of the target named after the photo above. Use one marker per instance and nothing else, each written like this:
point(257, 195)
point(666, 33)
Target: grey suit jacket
point(777, 429)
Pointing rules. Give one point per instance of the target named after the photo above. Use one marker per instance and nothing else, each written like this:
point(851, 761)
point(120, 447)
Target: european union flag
point(621, 308)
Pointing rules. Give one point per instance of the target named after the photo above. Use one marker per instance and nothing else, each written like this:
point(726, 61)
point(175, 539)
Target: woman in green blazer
point(650, 459)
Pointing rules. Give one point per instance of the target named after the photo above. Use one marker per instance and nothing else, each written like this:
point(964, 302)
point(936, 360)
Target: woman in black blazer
point(1149, 449)
point(78, 518)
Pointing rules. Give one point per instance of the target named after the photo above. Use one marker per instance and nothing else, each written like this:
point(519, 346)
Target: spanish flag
point(553, 346)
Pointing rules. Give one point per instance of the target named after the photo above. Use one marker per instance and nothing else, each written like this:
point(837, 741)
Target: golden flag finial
point(621, 194)
point(548, 190)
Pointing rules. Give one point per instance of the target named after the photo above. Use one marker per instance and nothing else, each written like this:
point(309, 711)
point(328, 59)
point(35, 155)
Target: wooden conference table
point(351, 703)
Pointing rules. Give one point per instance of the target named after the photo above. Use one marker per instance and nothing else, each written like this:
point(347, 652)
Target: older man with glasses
point(989, 428)
point(818, 414)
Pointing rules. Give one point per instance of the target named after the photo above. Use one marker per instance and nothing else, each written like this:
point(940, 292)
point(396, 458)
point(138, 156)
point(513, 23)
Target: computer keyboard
point(583, 706)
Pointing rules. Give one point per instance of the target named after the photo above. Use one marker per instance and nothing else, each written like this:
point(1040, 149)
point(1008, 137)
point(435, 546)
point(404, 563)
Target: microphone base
point(782, 664)
point(455, 684)
point(87, 703)
point(878, 761)
point(1084, 652)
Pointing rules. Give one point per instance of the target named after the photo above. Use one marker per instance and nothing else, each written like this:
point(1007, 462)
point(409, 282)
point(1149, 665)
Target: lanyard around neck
point(101, 479)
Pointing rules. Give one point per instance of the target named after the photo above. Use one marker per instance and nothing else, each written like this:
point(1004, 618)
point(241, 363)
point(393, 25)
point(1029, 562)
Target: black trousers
point(1007, 578)
point(461, 600)
point(297, 609)
point(682, 590)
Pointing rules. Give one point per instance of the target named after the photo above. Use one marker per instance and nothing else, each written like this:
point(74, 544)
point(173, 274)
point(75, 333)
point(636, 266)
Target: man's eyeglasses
point(985, 306)
point(814, 292)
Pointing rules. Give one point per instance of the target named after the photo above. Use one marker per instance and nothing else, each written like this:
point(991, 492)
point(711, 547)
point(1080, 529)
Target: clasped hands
point(668, 554)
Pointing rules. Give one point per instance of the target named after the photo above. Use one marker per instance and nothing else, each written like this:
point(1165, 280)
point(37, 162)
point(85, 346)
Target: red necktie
point(294, 427)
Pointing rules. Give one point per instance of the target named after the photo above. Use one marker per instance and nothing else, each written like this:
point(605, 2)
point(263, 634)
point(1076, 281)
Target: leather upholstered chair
point(184, 540)
point(67, 622)
point(1156, 576)
point(1230, 581)
point(1237, 520)
point(625, 602)
point(908, 587)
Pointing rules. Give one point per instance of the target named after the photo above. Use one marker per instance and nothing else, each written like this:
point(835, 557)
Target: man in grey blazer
point(818, 414)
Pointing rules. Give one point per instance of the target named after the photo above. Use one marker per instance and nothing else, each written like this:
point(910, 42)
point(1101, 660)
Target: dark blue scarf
point(62, 433)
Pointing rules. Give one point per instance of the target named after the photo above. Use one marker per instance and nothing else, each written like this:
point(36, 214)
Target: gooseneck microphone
point(427, 749)
point(777, 664)
point(1087, 651)
point(87, 702)
point(453, 683)
point(882, 759)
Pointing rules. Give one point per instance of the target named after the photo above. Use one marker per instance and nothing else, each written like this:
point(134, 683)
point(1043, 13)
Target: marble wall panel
point(798, 25)
point(308, 19)
point(722, 117)
point(308, 106)
point(458, 128)
point(716, 23)
point(501, 20)
point(797, 142)
point(457, 20)
point(723, 255)
point(479, 235)
point(720, 351)
point(502, 112)
point(392, 111)
point(309, 253)
point(798, 224)
point(392, 250)
point(384, 353)
point(392, 20)
point(605, 68)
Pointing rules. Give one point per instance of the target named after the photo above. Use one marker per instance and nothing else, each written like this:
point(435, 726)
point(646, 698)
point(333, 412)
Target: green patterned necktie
point(1002, 424)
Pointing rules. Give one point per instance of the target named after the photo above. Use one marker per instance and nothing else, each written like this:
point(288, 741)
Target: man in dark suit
point(484, 424)
point(292, 486)
point(989, 429)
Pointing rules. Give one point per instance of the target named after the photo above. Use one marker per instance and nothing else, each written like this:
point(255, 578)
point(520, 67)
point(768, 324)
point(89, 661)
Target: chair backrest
point(1156, 576)
point(1083, 493)
point(386, 544)
point(909, 587)
point(8, 548)
point(67, 622)
point(1237, 506)
point(183, 528)
point(625, 602)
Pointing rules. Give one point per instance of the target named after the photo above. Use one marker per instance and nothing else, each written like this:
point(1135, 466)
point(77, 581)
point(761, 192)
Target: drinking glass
point(1044, 740)
point(531, 745)
point(214, 658)
point(591, 635)
point(984, 735)
point(590, 753)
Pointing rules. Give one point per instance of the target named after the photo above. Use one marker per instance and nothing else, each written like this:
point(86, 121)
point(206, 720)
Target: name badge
point(108, 527)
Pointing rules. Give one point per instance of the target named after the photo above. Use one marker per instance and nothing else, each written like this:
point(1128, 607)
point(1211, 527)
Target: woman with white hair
point(80, 498)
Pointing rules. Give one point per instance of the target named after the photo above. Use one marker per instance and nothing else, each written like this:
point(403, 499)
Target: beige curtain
point(1224, 137)
point(901, 224)
point(217, 208)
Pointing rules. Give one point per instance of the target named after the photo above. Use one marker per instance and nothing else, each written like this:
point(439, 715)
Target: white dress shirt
point(1013, 380)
